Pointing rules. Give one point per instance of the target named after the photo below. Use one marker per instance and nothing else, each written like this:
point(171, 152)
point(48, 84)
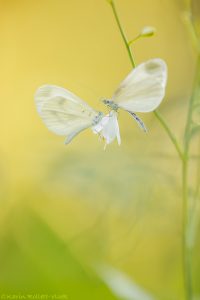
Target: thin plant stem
point(187, 249)
point(188, 214)
point(134, 40)
point(183, 155)
point(156, 113)
point(122, 34)
point(170, 134)
point(195, 94)
point(197, 188)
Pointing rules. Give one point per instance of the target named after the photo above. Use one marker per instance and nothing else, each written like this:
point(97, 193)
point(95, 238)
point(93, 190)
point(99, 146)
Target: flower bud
point(147, 31)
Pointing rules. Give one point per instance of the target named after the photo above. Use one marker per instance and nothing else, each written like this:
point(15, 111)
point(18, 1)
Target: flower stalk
point(183, 154)
point(156, 113)
point(122, 34)
point(187, 213)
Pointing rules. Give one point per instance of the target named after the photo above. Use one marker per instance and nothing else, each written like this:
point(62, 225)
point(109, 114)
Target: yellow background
point(64, 209)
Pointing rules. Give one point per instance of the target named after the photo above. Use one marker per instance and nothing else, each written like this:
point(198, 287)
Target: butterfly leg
point(102, 138)
point(138, 120)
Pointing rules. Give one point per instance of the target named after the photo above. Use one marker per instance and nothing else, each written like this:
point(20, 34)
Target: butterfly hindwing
point(138, 121)
point(63, 112)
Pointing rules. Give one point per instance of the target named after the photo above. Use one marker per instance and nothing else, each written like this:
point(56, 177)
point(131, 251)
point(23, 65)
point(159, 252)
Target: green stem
point(123, 34)
point(194, 96)
point(183, 155)
point(134, 40)
point(188, 215)
point(158, 115)
point(170, 134)
point(187, 249)
point(197, 188)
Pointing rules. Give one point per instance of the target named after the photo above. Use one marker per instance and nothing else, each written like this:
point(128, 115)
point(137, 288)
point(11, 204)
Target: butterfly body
point(111, 104)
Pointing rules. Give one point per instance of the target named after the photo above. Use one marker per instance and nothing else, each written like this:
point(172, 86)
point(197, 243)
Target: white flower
point(108, 128)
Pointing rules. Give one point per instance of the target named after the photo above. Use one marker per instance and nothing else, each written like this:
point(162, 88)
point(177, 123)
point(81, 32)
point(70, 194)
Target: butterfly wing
point(144, 88)
point(63, 112)
point(138, 121)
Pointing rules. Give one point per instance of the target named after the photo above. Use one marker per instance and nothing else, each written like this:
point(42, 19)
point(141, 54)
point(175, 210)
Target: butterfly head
point(110, 104)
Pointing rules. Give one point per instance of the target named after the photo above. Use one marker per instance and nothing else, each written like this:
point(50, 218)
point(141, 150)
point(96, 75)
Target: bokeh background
point(77, 221)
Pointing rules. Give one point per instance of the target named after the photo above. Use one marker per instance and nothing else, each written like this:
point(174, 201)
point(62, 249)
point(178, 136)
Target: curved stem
point(187, 248)
point(134, 40)
point(170, 134)
point(194, 96)
point(158, 115)
point(183, 155)
point(122, 34)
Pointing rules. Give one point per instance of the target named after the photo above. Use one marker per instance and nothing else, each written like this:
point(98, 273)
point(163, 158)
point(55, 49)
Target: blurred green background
point(67, 213)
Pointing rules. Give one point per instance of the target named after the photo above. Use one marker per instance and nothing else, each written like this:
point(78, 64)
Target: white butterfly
point(66, 114)
point(63, 112)
point(141, 91)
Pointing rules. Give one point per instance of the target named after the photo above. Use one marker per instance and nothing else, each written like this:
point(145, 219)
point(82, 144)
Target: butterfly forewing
point(144, 88)
point(47, 92)
point(63, 112)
